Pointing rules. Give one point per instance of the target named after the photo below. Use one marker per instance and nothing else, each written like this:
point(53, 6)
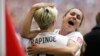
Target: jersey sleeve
point(77, 37)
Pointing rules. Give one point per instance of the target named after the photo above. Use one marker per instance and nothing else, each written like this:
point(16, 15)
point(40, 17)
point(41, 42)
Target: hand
point(34, 49)
point(40, 5)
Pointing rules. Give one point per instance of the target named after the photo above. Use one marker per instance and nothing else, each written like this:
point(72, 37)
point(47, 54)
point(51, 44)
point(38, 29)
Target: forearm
point(58, 50)
point(27, 24)
point(70, 49)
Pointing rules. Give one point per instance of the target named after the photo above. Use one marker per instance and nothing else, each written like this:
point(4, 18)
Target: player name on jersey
point(44, 39)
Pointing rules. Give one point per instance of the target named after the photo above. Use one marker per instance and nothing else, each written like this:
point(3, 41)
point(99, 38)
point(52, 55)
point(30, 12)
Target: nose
point(74, 17)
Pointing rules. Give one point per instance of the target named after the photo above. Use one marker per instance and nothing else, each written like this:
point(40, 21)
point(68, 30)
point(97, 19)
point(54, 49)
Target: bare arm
point(27, 24)
point(28, 20)
point(69, 50)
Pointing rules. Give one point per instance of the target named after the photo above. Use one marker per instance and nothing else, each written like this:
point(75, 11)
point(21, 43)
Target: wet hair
point(78, 9)
point(98, 18)
point(45, 16)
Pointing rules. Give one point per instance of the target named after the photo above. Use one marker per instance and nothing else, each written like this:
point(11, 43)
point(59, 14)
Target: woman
point(71, 22)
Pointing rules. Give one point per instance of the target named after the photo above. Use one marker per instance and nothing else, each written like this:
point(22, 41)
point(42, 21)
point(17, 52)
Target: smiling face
point(73, 19)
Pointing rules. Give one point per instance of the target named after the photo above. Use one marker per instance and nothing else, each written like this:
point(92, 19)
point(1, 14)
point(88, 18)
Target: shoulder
point(78, 34)
point(77, 37)
point(59, 36)
point(75, 34)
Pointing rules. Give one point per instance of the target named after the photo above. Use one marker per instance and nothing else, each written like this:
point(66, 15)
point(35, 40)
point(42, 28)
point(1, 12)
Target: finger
point(30, 50)
point(30, 47)
point(33, 44)
point(39, 5)
point(51, 5)
point(30, 53)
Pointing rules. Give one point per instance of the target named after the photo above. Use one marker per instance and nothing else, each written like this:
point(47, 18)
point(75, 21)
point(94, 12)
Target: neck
point(65, 30)
point(50, 29)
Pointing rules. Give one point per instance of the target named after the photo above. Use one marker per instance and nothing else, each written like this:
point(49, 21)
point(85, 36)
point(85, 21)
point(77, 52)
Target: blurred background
point(19, 9)
point(2, 29)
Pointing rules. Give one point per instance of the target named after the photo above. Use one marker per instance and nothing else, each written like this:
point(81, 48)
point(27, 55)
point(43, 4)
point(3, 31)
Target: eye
point(72, 13)
point(78, 17)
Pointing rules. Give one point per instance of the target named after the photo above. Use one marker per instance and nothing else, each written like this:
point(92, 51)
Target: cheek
point(78, 23)
point(64, 19)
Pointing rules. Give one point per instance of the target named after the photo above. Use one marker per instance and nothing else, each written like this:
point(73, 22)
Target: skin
point(74, 16)
point(26, 33)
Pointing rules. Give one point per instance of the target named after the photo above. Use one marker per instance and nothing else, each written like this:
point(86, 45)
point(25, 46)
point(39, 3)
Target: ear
point(63, 17)
point(54, 22)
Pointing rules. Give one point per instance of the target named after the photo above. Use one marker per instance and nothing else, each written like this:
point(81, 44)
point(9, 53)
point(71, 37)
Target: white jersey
point(78, 38)
point(75, 36)
point(50, 39)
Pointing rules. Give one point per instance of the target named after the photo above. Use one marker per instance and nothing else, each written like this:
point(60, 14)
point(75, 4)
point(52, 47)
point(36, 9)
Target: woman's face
point(73, 19)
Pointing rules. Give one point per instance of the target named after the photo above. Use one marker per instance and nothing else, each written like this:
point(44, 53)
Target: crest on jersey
point(79, 40)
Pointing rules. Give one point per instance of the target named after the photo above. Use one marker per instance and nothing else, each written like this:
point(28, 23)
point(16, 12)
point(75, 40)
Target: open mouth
point(71, 23)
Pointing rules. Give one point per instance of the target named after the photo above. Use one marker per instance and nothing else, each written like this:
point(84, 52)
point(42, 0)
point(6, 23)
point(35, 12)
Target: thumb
point(34, 44)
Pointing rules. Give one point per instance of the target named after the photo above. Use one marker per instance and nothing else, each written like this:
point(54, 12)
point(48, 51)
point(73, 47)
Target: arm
point(28, 20)
point(70, 49)
point(62, 50)
point(27, 24)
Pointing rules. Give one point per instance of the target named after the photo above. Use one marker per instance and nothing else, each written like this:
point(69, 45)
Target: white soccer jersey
point(50, 39)
point(75, 36)
point(78, 38)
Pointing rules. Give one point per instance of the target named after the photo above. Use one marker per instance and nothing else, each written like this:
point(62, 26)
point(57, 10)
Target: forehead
point(77, 11)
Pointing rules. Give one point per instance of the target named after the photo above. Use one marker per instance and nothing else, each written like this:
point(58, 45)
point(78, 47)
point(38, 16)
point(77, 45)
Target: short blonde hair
point(45, 16)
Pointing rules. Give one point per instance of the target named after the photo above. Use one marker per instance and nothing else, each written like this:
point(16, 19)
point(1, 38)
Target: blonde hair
point(45, 16)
